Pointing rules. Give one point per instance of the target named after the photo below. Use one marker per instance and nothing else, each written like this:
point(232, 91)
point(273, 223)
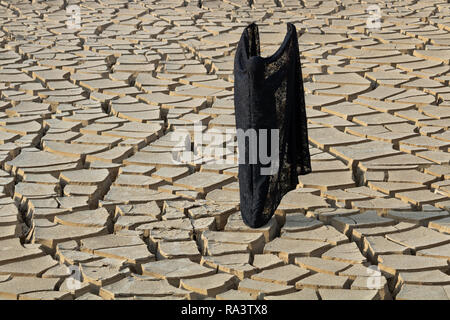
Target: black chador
point(271, 124)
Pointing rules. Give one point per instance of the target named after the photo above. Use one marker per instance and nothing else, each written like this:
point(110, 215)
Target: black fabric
point(269, 94)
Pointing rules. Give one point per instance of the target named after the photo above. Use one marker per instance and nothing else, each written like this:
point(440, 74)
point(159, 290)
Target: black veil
point(269, 94)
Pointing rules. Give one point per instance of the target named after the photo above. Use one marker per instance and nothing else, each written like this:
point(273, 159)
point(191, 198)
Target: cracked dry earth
point(89, 190)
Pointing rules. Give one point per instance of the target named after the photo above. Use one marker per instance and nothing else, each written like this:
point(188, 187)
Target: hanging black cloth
point(269, 94)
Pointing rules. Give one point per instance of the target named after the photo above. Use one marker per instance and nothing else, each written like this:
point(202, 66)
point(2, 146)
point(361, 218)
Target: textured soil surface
point(99, 200)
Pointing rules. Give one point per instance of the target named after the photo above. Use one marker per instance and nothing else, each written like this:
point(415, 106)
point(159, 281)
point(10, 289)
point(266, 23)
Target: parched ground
point(93, 205)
